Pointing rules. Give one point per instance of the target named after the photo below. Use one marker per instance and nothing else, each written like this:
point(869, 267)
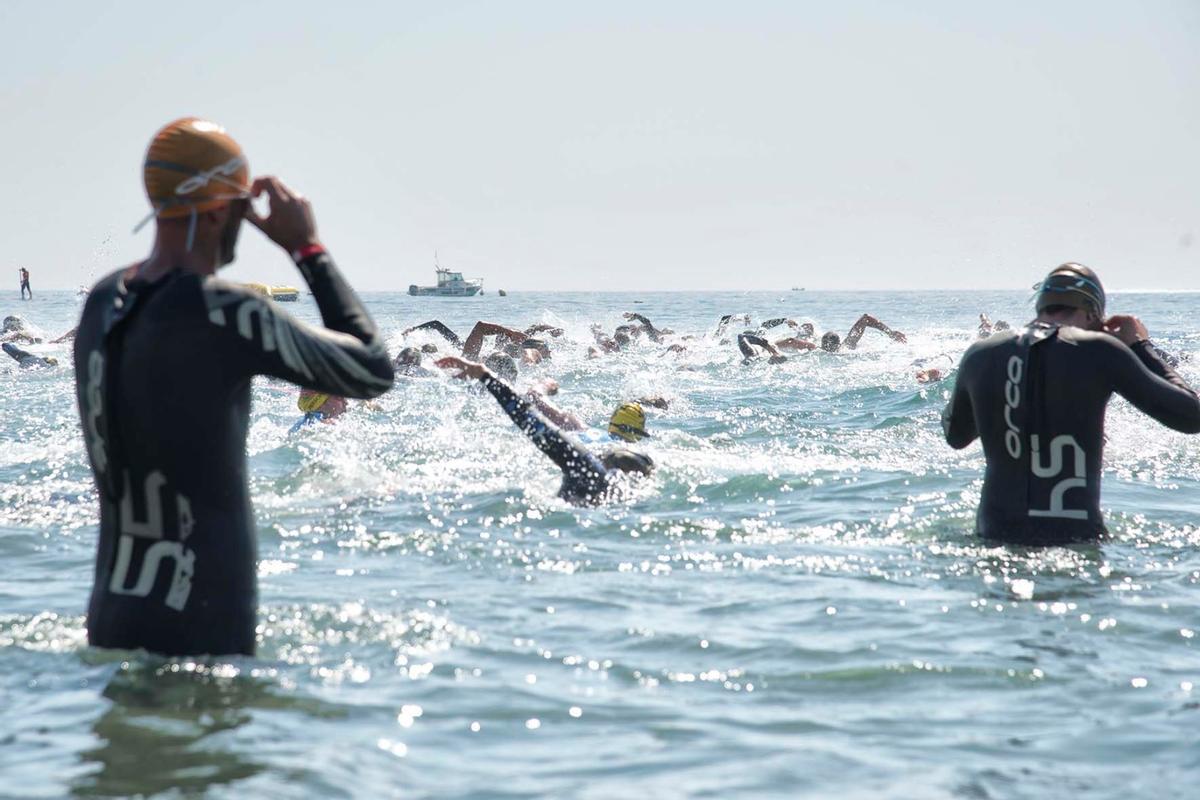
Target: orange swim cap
point(193, 165)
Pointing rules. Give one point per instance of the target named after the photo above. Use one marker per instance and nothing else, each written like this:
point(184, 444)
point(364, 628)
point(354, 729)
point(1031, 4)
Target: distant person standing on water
point(24, 275)
point(164, 356)
point(1037, 396)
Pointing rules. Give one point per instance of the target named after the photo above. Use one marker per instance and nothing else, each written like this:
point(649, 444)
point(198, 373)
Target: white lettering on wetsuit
point(1012, 401)
point(1058, 446)
point(152, 528)
point(94, 397)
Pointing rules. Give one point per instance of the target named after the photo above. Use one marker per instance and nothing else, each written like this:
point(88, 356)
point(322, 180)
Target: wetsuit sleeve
point(574, 461)
point(1153, 387)
point(439, 327)
point(654, 333)
point(958, 418)
point(746, 342)
point(347, 358)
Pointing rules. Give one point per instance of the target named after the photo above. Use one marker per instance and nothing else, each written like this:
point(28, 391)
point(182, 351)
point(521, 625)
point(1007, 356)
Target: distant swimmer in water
point(832, 343)
point(588, 479)
point(647, 327)
point(520, 345)
point(27, 359)
point(619, 341)
point(318, 407)
point(926, 373)
point(725, 321)
point(748, 341)
point(1036, 398)
point(987, 327)
point(16, 331)
point(164, 359)
point(23, 275)
point(66, 337)
point(408, 364)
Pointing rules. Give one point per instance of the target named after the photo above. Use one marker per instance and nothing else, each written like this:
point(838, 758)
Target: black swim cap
point(409, 356)
point(1074, 286)
point(502, 366)
point(830, 342)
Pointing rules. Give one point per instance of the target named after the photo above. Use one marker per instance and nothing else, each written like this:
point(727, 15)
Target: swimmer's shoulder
point(104, 289)
point(223, 300)
point(1090, 340)
point(995, 346)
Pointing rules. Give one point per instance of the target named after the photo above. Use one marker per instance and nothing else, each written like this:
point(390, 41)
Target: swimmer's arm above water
point(573, 460)
point(725, 320)
point(482, 330)
point(747, 341)
point(563, 419)
point(868, 321)
point(795, 343)
point(437, 326)
point(654, 333)
point(345, 358)
point(542, 327)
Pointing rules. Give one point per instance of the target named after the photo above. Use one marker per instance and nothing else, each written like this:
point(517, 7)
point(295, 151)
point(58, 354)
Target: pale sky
point(629, 145)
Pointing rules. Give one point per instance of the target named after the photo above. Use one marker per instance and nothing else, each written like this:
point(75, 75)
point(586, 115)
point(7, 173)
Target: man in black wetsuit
point(748, 341)
point(1036, 398)
point(28, 359)
point(164, 358)
point(24, 276)
point(587, 479)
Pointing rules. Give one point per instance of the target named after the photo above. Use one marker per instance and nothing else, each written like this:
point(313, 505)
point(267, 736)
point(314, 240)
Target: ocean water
point(793, 606)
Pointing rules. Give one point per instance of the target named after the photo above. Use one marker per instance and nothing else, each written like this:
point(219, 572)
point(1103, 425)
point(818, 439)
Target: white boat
point(449, 284)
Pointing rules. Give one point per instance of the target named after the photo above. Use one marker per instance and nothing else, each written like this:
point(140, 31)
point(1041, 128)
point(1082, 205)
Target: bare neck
point(171, 253)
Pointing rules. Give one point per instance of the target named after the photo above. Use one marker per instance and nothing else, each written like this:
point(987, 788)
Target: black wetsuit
point(585, 479)
point(1036, 398)
point(162, 373)
point(24, 357)
point(25, 285)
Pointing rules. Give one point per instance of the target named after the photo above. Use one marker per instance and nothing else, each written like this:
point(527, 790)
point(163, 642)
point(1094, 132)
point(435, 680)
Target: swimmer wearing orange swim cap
point(193, 166)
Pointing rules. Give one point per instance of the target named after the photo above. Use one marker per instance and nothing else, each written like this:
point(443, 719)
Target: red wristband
point(307, 251)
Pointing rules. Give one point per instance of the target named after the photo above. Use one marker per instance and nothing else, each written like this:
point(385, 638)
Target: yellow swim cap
point(193, 164)
point(628, 422)
point(311, 401)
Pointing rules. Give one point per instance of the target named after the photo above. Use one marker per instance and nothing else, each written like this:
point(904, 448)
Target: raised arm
point(438, 327)
point(563, 419)
point(725, 320)
point(747, 342)
point(542, 327)
point(346, 358)
point(860, 327)
point(1141, 376)
point(575, 462)
point(474, 344)
point(654, 333)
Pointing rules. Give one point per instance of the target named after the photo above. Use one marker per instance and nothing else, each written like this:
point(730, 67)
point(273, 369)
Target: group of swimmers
point(165, 340)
